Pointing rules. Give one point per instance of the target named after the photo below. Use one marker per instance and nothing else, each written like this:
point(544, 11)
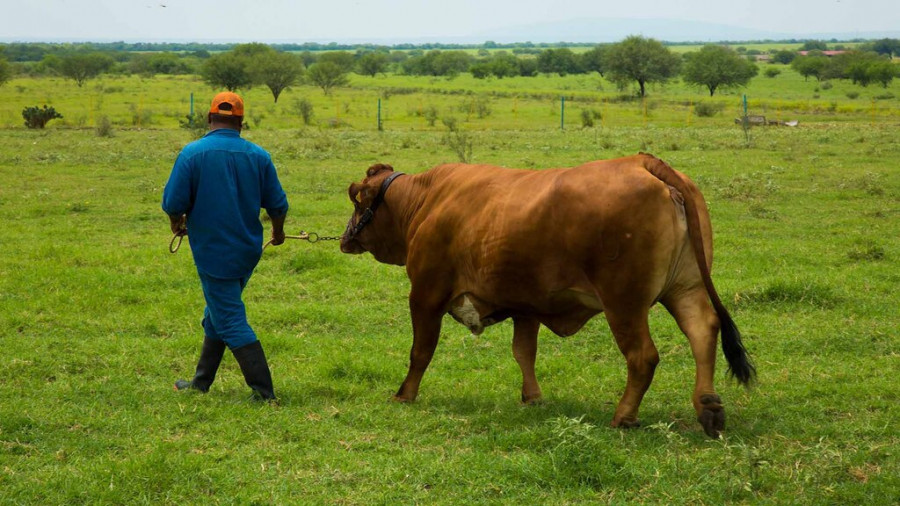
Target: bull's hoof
point(625, 423)
point(532, 400)
point(712, 416)
point(401, 399)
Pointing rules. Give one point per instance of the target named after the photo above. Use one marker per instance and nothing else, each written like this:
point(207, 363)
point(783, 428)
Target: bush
point(827, 85)
point(852, 95)
point(431, 115)
point(143, 117)
point(37, 117)
point(305, 109)
point(104, 127)
point(588, 116)
point(772, 72)
point(707, 109)
point(197, 124)
point(460, 142)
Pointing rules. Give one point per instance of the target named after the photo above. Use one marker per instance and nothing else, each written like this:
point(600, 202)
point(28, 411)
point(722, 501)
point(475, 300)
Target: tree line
point(636, 60)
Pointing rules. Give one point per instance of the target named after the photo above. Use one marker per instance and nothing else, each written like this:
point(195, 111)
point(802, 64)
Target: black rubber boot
point(252, 360)
point(210, 358)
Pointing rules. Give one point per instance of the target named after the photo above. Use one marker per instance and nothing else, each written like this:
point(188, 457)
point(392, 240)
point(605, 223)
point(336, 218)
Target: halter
point(369, 213)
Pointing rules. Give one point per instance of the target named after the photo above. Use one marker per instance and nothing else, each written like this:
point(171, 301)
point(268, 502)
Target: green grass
point(97, 319)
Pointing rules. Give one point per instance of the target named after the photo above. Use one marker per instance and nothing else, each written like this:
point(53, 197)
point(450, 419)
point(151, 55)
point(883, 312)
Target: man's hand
point(277, 237)
point(178, 224)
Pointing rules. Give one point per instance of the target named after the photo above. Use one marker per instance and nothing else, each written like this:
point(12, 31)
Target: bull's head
point(364, 231)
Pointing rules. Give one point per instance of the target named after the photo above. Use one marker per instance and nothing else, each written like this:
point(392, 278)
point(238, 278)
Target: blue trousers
point(225, 317)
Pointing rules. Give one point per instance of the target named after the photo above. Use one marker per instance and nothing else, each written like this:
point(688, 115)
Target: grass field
point(97, 319)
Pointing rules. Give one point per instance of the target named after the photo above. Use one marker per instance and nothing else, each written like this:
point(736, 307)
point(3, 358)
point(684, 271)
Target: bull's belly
point(564, 312)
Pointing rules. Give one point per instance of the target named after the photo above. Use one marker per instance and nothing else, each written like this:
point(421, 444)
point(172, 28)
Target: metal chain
point(310, 237)
point(314, 237)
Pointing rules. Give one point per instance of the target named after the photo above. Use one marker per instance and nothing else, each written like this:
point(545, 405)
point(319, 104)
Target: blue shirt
point(221, 182)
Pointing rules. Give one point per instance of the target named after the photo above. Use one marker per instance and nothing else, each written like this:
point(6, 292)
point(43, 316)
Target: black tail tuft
point(739, 365)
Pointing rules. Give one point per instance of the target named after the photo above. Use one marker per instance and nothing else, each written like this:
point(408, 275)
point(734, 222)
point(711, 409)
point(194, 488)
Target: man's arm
point(278, 230)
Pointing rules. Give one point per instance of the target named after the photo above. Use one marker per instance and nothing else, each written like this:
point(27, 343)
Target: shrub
point(37, 117)
point(588, 116)
point(852, 95)
point(707, 109)
point(104, 127)
point(460, 142)
point(431, 115)
point(827, 85)
point(772, 72)
point(480, 106)
point(305, 109)
point(587, 120)
point(143, 117)
point(196, 124)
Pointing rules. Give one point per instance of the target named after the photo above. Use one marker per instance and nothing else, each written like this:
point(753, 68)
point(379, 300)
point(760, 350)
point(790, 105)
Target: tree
point(813, 64)
point(158, 63)
point(561, 61)
point(882, 72)
point(327, 75)
point(437, 63)
point(230, 70)
point(253, 50)
point(889, 47)
point(5, 71)
point(501, 64)
point(784, 56)
point(865, 71)
point(717, 67)
point(643, 60)
point(372, 63)
point(594, 60)
point(83, 66)
point(450, 63)
point(814, 45)
point(278, 71)
point(342, 59)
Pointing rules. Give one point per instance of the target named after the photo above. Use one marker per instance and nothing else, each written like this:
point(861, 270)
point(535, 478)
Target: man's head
point(226, 111)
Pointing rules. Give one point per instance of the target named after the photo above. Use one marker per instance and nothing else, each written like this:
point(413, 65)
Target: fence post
point(562, 113)
point(380, 127)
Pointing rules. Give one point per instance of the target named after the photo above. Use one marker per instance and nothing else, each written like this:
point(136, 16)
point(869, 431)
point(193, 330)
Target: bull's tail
point(739, 364)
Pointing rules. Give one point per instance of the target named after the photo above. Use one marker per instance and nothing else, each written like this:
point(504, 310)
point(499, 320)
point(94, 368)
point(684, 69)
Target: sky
point(392, 21)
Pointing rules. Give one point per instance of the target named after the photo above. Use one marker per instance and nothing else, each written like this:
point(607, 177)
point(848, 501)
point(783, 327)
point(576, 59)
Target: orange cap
point(227, 104)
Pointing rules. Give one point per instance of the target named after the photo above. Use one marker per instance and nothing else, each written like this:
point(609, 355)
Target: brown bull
point(553, 247)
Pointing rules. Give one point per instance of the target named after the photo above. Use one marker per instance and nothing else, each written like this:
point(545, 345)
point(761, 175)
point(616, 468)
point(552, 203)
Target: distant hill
point(671, 30)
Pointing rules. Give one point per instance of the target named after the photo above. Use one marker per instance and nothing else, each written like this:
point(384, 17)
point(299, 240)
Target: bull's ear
point(359, 194)
point(377, 168)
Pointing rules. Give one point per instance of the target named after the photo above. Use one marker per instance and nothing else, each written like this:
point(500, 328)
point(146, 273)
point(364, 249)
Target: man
point(216, 190)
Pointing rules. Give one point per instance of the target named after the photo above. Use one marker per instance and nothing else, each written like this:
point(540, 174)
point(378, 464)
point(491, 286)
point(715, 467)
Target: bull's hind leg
point(632, 333)
point(700, 324)
point(525, 332)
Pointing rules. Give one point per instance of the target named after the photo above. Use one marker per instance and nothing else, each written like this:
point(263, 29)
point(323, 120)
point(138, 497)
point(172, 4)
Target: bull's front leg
point(525, 333)
point(426, 323)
